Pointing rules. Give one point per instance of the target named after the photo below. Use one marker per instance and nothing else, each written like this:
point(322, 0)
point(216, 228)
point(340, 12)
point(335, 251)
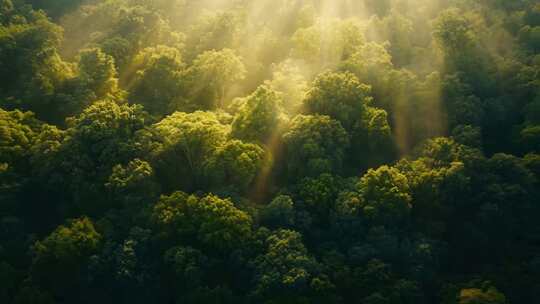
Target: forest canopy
point(270, 151)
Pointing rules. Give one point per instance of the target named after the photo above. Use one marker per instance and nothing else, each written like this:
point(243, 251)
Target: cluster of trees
point(290, 151)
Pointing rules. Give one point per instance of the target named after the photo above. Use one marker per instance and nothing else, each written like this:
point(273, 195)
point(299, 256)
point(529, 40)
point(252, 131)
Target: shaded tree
point(59, 260)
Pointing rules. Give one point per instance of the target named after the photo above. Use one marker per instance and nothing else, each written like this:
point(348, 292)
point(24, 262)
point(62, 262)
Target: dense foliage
point(270, 151)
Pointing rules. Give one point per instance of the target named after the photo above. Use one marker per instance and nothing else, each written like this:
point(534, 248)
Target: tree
point(109, 129)
point(236, 164)
point(209, 221)
point(95, 79)
point(119, 49)
point(530, 37)
point(479, 296)
point(314, 145)
point(385, 197)
point(80, 164)
point(530, 132)
point(188, 267)
point(6, 10)
point(278, 213)
point(288, 80)
point(468, 135)
point(59, 260)
point(139, 24)
point(436, 189)
point(98, 73)
point(460, 44)
point(17, 135)
point(260, 117)
point(371, 63)
point(532, 162)
point(327, 43)
point(214, 31)
point(372, 143)
point(396, 29)
point(454, 32)
point(210, 77)
point(285, 271)
point(340, 96)
point(184, 143)
point(462, 106)
point(317, 196)
point(442, 152)
point(532, 15)
point(158, 84)
point(504, 203)
point(529, 34)
point(133, 184)
point(31, 67)
point(55, 8)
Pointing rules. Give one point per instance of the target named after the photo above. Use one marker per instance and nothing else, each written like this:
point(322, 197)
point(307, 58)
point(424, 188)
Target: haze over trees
point(270, 151)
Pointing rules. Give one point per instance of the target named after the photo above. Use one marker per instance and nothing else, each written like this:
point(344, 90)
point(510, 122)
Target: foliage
point(184, 142)
point(209, 221)
point(236, 164)
point(269, 151)
point(160, 65)
point(340, 96)
point(62, 256)
point(314, 145)
point(259, 117)
point(210, 77)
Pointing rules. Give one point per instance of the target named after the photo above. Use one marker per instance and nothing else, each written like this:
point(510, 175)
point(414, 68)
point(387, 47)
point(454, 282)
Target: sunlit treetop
point(340, 96)
point(212, 222)
point(260, 116)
